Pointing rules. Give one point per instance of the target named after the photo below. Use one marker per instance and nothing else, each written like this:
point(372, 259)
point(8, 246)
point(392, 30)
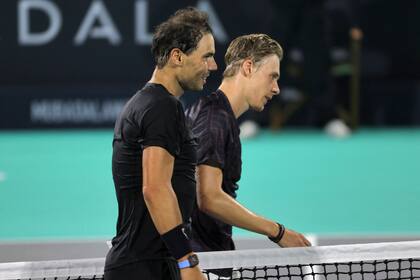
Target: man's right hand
point(293, 239)
point(193, 273)
point(190, 273)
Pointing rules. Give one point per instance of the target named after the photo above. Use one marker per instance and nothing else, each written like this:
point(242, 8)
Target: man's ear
point(247, 67)
point(176, 57)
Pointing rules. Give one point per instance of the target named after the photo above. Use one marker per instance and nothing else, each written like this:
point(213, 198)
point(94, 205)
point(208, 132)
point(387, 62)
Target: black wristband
point(176, 240)
point(276, 239)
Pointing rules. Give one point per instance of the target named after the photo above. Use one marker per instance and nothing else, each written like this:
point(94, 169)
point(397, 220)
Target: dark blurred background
point(72, 64)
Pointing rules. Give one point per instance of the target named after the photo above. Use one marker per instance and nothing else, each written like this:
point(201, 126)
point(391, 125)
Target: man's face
point(198, 64)
point(263, 82)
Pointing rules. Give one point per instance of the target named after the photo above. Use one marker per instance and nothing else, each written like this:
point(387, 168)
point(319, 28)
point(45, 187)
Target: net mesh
point(374, 270)
point(396, 260)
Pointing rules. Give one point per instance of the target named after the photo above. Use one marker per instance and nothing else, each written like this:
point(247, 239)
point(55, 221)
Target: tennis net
point(375, 261)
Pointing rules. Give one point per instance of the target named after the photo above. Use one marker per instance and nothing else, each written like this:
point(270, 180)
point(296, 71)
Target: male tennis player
point(154, 158)
point(249, 81)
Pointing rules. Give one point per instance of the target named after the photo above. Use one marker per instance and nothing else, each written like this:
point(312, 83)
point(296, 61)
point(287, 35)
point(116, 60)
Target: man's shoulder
point(153, 98)
point(208, 106)
point(209, 116)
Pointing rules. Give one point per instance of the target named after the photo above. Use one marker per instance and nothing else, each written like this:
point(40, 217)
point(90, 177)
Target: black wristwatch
point(190, 262)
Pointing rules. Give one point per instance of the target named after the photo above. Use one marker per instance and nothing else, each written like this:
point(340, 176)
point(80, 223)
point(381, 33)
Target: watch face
point(193, 259)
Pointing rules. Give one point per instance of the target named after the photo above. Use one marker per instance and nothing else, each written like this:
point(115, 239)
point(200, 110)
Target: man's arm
point(215, 202)
point(160, 198)
point(158, 194)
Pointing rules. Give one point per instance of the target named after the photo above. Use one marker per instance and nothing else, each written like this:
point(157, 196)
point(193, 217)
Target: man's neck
point(167, 78)
point(234, 91)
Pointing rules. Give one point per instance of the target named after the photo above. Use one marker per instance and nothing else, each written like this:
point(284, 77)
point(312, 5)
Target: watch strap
point(184, 264)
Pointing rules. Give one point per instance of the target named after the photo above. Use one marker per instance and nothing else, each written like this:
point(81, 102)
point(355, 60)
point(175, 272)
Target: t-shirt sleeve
point(211, 131)
point(161, 126)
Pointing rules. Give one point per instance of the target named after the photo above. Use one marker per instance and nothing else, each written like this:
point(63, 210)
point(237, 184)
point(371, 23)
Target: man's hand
point(192, 273)
point(293, 239)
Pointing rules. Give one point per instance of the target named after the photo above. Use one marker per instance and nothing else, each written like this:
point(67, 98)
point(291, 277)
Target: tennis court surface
point(57, 185)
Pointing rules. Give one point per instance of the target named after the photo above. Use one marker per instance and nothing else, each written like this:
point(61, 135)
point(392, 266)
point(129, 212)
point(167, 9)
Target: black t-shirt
point(152, 117)
point(216, 129)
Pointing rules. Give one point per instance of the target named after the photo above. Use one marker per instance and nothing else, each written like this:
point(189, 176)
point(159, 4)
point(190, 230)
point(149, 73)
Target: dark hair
point(253, 46)
point(183, 30)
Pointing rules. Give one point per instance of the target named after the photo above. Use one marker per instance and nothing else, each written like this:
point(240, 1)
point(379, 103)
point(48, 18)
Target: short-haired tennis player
point(154, 158)
point(250, 80)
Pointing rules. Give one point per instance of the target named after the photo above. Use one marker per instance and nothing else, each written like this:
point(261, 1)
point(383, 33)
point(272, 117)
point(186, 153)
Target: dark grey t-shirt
point(152, 117)
point(216, 129)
